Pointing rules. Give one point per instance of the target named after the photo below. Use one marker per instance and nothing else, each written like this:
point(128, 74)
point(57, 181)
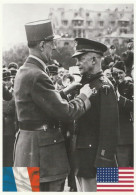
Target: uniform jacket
point(38, 104)
point(125, 113)
point(97, 129)
point(9, 119)
point(108, 59)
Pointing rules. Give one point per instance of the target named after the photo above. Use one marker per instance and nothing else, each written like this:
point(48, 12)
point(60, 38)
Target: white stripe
point(126, 175)
point(114, 188)
point(115, 184)
point(22, 179)
point(123, 170)
point(126, 179)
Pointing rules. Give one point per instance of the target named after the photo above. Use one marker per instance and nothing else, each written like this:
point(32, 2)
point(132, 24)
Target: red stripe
point(112, 190)
point(34, 176)
point(126, 172)
point(126, 177)
point(124, 186)
point(125, 181)
point(130, 168)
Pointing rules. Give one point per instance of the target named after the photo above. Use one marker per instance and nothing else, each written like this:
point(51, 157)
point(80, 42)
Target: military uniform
point(9, 122)
point(125, 147)
point(97, 131)
point(39, 107)
point(108, 59)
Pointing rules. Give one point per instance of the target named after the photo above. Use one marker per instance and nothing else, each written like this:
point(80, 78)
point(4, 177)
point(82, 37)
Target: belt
point(41, 128)
point(36, 126)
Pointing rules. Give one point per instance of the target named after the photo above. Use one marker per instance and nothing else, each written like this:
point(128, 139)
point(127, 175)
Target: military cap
point(119, 65)
point(53, 69)
point(112, 47)
point(6, 74)
point(40, 30)
point(86, 45)
point(13, 65)
point(13, 72)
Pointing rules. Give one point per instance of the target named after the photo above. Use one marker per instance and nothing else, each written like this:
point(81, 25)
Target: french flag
point(21, 179)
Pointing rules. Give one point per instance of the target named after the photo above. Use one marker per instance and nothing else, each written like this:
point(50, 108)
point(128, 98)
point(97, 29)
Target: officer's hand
point(72, 87)
point(86, 90)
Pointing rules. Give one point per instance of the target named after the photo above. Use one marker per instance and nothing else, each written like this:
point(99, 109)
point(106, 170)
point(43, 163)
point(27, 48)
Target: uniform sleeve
point(50, 101)
point(126, 103)
point(109, 128)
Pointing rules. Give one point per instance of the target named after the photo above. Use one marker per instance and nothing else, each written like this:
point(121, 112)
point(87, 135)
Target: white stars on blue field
point(108, 175)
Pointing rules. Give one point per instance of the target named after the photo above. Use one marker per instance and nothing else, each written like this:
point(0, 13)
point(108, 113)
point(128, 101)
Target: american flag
point(115, 179)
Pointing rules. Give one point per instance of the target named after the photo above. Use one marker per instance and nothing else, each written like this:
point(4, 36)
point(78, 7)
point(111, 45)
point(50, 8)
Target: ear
point(41, 45)
point(94, 61)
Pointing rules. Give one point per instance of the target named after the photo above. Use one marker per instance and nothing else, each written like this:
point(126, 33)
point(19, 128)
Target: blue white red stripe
point(21, 179)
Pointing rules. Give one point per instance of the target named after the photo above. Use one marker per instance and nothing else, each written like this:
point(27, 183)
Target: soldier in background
point(128, 57)
point(109, 60)
point(9, 122)
point(125, 89)
point(97, 131)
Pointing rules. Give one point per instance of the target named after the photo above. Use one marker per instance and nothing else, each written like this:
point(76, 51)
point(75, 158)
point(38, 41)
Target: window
point(65, 22)
point(89, 23)
point(101, 23)
point(87, 14)
point(112, 23)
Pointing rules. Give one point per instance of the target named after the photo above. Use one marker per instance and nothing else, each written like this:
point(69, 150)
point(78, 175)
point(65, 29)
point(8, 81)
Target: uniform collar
point(40, 63)
point(89, 78)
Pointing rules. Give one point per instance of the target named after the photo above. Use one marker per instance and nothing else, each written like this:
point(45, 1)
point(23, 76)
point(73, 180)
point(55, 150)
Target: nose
point(78, 63)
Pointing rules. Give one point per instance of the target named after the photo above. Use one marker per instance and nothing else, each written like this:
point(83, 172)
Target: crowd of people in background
point(118, 69)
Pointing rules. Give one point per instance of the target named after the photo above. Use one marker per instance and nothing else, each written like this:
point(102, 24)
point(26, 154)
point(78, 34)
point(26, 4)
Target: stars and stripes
point(21, 179)
point(115, 179)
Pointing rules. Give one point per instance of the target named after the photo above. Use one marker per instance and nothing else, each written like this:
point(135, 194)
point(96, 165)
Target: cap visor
point(78, 53)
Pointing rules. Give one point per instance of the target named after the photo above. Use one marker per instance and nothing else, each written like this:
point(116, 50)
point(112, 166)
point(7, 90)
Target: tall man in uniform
point(39, 107)
point(97, 130)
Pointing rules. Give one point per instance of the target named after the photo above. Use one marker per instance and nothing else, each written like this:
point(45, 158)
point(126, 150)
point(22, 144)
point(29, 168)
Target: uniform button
point(90, 145)
point(54, 140)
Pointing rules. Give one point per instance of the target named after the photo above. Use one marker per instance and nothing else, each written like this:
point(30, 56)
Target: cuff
point(86, 101)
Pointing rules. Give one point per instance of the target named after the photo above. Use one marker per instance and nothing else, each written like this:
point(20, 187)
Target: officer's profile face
point(84, 62)
point(48, 48)
point(119, 75)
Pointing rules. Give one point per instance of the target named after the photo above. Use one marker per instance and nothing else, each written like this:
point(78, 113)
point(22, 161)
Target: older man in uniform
point(97, 130)
point(39, 107)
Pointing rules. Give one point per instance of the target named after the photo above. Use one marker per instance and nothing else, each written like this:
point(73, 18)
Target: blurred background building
point(109, 26)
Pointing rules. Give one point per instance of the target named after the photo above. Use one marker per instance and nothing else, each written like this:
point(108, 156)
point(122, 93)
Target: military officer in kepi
point(97, 130)
point(39, 106)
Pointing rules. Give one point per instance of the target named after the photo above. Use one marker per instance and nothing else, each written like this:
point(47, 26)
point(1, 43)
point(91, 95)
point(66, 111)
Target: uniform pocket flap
point(46, 138)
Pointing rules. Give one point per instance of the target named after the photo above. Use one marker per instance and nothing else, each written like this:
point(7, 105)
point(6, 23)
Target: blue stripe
point(9, 184)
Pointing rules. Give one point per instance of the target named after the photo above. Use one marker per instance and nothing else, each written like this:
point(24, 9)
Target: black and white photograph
point(67, 96)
